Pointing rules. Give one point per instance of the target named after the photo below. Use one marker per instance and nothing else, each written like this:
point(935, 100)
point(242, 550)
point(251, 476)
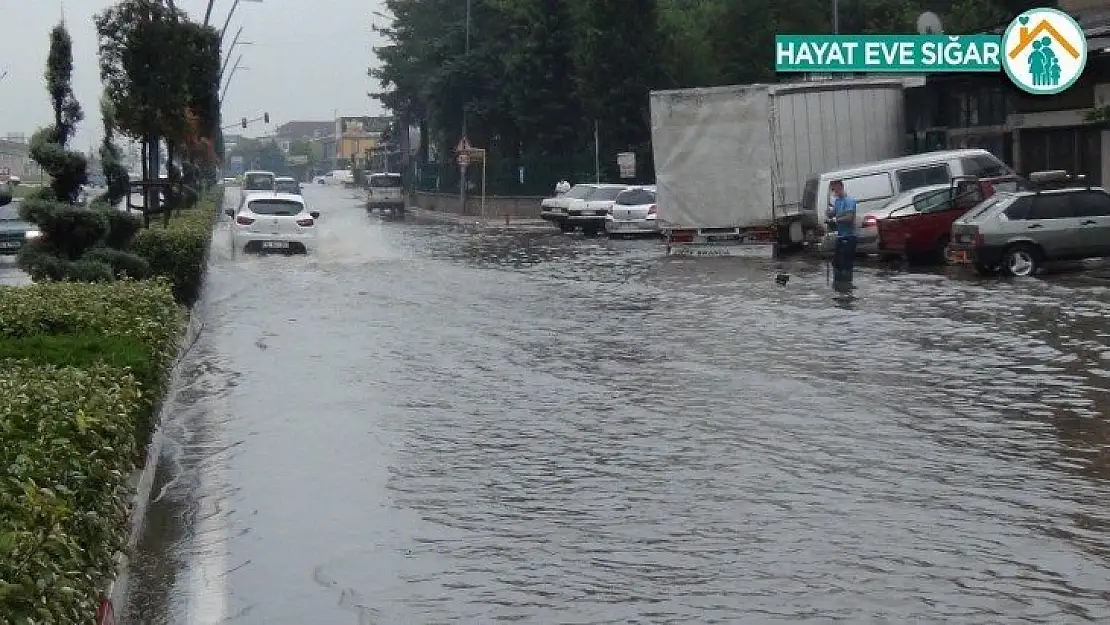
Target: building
point(15, 156)
point(289, 132)
point(1032, 133)
point(357, 137)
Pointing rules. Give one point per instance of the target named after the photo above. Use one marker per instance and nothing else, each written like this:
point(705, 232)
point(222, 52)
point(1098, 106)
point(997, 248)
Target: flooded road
point(430, 425)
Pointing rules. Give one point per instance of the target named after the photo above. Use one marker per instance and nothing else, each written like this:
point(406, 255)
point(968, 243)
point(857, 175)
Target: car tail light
point(870, 221)
point(651, 209)
point(243, 220)
point(304, 223)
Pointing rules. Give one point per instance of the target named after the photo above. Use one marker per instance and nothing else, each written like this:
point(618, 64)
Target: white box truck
point(731, 162)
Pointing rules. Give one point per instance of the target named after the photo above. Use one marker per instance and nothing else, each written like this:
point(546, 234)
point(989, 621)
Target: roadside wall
point(496, 206)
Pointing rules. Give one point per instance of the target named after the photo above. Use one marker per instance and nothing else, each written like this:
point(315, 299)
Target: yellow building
point(358, 136)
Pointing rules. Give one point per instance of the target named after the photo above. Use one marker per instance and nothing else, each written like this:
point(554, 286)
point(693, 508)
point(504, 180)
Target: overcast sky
point(304, 64)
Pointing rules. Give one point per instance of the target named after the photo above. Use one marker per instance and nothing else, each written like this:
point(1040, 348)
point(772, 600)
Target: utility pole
point(464, 162)
point(227, 84)
point(836, 16)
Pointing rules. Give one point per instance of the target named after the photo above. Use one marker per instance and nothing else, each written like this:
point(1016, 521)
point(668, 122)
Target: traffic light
point(244, 122)
point(266, 117)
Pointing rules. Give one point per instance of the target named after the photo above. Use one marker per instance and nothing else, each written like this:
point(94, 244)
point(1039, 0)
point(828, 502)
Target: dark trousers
point(844, 260)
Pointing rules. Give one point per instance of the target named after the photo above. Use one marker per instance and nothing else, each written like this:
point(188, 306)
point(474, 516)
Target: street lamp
point(234, 43)
point(234, 69)
point(230, 13)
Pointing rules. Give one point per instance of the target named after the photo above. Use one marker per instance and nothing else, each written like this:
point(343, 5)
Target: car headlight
point(32, 234)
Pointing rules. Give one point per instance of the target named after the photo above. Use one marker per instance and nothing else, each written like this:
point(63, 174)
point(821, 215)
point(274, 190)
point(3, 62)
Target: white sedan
point(269, 221)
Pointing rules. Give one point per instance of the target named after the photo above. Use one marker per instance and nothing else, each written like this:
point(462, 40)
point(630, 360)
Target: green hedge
point(82, 366)
point(179, 251)
point(67, 446)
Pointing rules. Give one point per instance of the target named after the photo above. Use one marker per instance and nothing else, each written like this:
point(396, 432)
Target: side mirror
point(230, 212)
point(315, 214)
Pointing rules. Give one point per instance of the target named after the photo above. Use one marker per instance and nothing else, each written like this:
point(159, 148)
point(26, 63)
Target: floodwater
point(427, 424)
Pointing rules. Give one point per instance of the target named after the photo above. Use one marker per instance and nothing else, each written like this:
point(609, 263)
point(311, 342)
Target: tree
point(72, 245)
point(68, 170)
point(111, 159)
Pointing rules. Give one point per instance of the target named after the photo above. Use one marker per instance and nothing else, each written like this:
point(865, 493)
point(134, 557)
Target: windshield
point(288, 186)
point(604, 194)
point(636, 197)
point(259, 182)
point(579, 191)
point(286, 208)
point(10, 212)
point(1004, 199)
point(385, 182)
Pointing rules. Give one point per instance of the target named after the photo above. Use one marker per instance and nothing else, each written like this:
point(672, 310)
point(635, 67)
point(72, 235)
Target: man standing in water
point(843, 212)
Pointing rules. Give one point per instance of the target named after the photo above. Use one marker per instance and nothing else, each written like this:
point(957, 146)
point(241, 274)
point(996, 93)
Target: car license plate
point(10, 245)
point(275, 245)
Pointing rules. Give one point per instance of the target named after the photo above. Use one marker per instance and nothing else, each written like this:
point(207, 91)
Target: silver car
point(1016, 233)
point(633, 213)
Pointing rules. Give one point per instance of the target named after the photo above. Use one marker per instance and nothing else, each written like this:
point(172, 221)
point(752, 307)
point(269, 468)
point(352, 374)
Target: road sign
point(627, 163)
point(464, 159)
point(464, 145)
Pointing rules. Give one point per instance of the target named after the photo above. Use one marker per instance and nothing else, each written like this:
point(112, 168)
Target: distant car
point(273, 222)
point(286, 184)
point(14, 231)
point(633, 213)
point(1016, 233)
point(257, 181)
point(386, 192)
point(590, 213)
point(554, 209)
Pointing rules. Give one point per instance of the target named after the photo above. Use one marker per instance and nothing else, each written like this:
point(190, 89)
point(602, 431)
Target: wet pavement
point(434, 424)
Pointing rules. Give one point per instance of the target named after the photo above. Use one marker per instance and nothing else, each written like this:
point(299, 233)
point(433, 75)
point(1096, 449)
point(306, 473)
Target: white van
point(386, 192)
point(876, 183)
point(257, 180)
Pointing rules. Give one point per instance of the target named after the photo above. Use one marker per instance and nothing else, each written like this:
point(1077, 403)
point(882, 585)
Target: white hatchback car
point(273, 222)
point(633, 213)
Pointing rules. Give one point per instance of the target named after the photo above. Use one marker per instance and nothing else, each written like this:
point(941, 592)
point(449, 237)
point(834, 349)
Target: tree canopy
point(539, 73)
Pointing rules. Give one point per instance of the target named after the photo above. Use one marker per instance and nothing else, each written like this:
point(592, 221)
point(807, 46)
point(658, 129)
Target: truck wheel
point(566, 227)
point(1021, 261)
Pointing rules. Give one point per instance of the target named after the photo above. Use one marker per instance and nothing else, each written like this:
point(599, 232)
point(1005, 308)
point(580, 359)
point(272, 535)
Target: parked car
point(554, 209)
point(1017, 233)
point(285, 184)
point(273, 222)
point(14, 231)
point(633, 213)
point(589, 213)
point(386, 192)
point(876, 184)
point(919, 224)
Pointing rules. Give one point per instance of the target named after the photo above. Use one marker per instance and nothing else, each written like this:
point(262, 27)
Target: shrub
point(123, 264)
point(40, 262)
point(122, 228)
point(67, 230)
point(85, 270)
point(142, 310)
point(67, 445)
point(179, 251)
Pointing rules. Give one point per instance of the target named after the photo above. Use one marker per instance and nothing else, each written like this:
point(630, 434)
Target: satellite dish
point(928, 23)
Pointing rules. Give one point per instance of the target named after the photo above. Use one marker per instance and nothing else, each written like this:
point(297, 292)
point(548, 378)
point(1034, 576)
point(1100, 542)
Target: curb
point(115, 595)
point(514, 223)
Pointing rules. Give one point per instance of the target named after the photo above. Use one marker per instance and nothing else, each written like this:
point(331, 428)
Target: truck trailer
point(731, 162)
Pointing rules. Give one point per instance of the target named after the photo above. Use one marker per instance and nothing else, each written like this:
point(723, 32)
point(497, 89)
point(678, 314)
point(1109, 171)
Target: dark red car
point(919, 227)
